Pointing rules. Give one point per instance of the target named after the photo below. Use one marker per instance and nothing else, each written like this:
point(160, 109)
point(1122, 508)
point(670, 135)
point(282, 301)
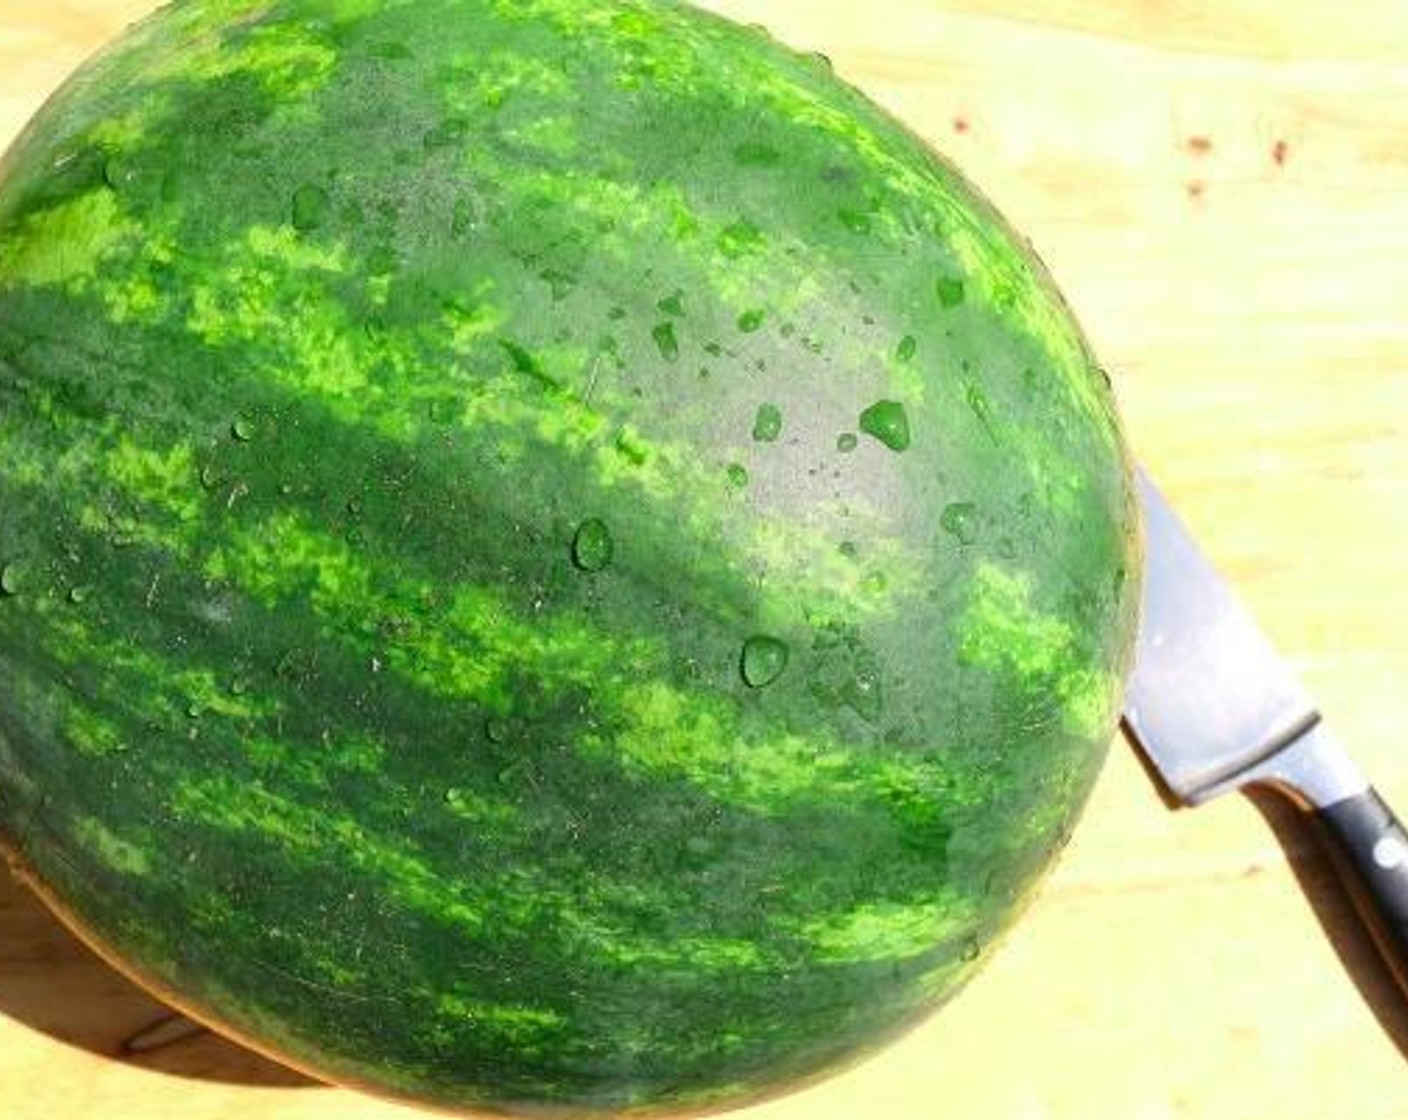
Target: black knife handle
point(1371, 848)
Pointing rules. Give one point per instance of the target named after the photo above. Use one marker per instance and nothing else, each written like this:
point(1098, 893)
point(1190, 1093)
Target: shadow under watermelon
point(52, 983)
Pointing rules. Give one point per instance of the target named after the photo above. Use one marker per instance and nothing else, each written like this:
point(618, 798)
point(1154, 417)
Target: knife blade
point(1215, 708)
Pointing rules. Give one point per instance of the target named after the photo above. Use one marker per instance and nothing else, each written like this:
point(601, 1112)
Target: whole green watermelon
point(552, 556)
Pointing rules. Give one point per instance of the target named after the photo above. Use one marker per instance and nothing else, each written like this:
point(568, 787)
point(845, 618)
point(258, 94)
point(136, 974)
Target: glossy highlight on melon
point(553, 556)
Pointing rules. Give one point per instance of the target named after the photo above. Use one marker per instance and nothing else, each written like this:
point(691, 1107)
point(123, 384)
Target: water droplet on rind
point(751, 321)
point(960, 521)
point(79, 595)
point(119, 172)
point(11, 580)
point(887, 422)
point(242, 430)
point(846, 442)
point(767, 424)
point(857, 221)
point(666, 341)
point(764, 660)
point(593, 546)
point(560, 284)
point(951, 292)
point(309, 208)
point(737, 475)
point(863, 697)
point(979, 405)
point(907, 348)
point(464, 218)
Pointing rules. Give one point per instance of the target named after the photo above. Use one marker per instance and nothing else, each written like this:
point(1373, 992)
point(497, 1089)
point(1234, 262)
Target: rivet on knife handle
point(1372, 851)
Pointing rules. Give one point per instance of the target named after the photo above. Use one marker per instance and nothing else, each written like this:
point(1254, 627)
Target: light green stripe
point(1001, 629)
point(64, 245)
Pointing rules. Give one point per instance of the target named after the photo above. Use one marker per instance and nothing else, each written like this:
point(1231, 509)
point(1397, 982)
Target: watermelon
point(554, 557)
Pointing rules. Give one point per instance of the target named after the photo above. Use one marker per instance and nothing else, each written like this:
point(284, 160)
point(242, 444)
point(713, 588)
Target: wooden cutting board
point(1222, 190)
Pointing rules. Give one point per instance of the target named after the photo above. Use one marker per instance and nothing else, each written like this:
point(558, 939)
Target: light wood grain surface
point(1222, 190)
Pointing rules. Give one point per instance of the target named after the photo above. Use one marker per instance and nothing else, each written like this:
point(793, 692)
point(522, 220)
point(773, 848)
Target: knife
point(1214, 709)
